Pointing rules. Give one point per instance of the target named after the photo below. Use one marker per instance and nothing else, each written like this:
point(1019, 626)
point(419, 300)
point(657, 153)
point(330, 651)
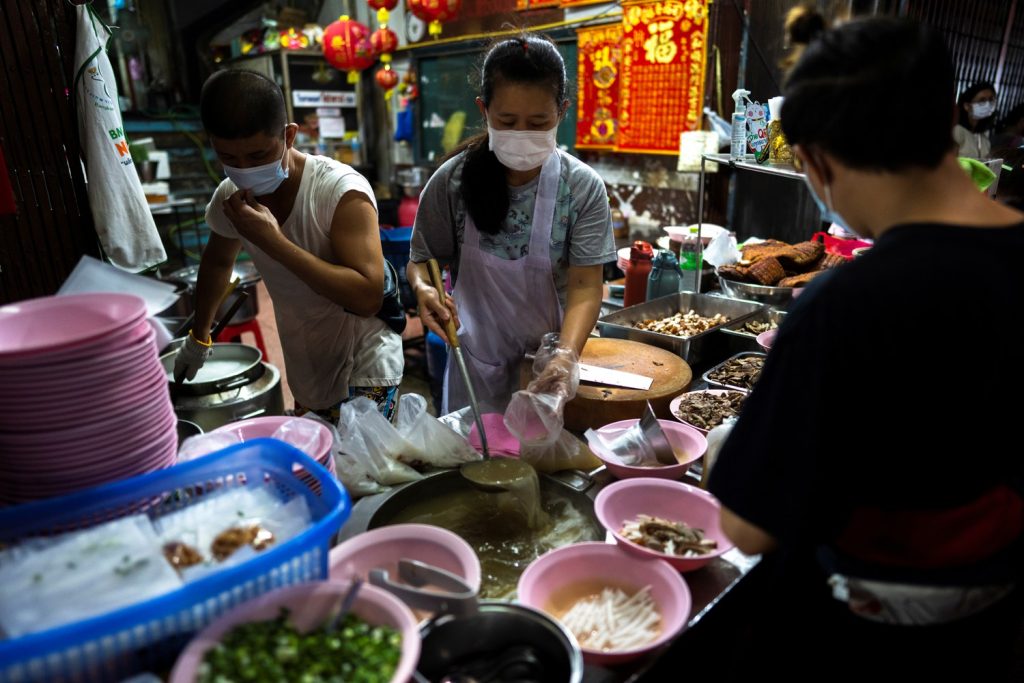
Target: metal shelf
point(769, 168)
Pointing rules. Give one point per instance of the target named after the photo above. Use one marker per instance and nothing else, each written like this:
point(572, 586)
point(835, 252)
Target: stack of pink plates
point(83, 396)
point(265, 427)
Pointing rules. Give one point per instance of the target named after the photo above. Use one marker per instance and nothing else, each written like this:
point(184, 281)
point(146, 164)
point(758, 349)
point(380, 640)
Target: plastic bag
point(302, 433)
point(629, 447)
point(228, 528)
point(535, 414)
point(56, 581)
point(368, 436)
point(203, 444)
point(722, 250)
point(565, 453)
point(350, 470)
point(432, 442)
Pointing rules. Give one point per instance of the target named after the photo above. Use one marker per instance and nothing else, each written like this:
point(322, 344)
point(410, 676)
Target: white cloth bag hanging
point(123, 221)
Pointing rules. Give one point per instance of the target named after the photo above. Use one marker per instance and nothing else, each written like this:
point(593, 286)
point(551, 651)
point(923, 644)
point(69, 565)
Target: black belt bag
point(391, 310)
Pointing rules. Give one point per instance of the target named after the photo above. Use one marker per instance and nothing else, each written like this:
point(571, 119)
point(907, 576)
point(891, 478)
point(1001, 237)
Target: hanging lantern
point(386, 78)
point(347, 47)
point(434, 12)
point(384, 41)
point(383, 8)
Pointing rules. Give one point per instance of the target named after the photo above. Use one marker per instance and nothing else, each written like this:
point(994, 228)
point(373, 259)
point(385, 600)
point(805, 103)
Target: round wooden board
point(598, 405)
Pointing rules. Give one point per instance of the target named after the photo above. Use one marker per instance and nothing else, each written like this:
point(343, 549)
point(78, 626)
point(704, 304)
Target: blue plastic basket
point(148, 635)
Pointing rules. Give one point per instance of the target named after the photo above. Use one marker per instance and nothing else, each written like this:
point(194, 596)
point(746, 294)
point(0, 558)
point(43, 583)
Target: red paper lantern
point(383, 4)
point(386, 77)
point(384, 41)
point(434, 12)
point(347, 47)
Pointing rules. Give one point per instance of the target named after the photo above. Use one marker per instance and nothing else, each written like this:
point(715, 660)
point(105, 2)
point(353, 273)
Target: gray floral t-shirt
point(581, 234)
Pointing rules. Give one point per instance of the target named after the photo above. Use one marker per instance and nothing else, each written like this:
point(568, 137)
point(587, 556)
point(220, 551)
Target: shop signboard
point(599, 65)
point(664, 52)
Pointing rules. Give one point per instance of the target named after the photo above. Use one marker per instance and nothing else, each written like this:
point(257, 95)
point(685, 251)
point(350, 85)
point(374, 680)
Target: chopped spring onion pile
point(356, 652)
point(613, 621)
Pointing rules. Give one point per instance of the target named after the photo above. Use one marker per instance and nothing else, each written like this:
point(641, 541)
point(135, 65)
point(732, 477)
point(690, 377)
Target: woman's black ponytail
point(526, 59)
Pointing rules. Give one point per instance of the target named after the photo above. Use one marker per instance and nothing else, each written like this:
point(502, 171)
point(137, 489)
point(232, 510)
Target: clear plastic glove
point(535, 415)
point(191, 356)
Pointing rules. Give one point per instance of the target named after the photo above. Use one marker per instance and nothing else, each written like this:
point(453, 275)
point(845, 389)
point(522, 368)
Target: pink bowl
point(264, 427)
point(385, 546)
point(310, 605)
point(767, 339)
point(674, 405)
point(586, 564)
point(623, 501)
point(682, 437)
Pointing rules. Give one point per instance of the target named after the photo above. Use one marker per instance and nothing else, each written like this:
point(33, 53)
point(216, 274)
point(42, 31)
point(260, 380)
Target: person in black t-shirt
point(877, 465)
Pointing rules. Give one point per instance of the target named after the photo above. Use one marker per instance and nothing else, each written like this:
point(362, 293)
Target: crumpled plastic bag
point(565, 453)
point(203, 444)
point(535, 415)
point(367, 436)
point(722, 250)
point(432, 442)
point(350, 470)
point(629, 447)
point(302, 433)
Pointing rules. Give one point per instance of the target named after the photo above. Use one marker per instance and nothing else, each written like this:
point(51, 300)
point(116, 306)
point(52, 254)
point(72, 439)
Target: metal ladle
point(487, 475)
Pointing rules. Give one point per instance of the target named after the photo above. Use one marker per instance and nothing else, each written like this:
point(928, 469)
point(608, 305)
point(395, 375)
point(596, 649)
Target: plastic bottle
point(665, 278)
point(637, 270)
point(738, 144)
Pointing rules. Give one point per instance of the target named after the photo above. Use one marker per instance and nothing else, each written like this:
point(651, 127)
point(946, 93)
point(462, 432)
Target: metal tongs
point(453, 596)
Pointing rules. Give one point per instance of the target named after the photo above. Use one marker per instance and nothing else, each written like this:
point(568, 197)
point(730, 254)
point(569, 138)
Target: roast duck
point(776, 264)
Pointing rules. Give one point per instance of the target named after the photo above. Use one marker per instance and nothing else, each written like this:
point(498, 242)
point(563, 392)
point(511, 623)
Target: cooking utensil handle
point(235, 305)
point(252, 414)
point(435, 279)
point(232, 384)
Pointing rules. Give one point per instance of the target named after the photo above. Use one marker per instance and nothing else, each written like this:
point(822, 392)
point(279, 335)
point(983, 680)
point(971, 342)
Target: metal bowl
point(751, 292)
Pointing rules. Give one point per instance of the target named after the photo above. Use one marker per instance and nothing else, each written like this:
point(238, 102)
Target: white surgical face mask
point(983, 110)
point(522, 150)
point(261, 180)
point(826, 207)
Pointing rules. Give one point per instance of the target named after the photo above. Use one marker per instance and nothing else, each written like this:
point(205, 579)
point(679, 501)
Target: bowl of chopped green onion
point(288, 634)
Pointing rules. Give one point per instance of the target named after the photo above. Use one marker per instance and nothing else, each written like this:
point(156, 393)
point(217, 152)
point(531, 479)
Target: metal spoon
point(346, 604)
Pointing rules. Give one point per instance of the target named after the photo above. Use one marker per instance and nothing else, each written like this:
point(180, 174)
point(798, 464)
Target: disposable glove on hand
point(535, 415)
point(191, 357)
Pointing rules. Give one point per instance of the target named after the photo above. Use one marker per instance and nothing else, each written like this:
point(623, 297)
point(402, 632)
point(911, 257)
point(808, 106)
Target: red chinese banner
point(579, 3)
point(662, 81)
point(597, 111)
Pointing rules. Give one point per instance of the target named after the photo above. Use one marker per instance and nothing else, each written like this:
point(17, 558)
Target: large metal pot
point(232, 385)
point(261, 397)
point(185, 279)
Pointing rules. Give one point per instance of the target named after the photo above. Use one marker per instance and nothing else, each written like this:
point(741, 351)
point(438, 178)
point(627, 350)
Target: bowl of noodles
point(663, 520)
point(618, 606)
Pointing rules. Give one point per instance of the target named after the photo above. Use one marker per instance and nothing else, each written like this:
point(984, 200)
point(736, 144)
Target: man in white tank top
point(310, 225)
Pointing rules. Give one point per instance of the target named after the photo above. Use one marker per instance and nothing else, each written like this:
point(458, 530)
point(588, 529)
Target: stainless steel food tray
point(712, 383)
point(769, 315)
point(619, 325)
point(744, 290)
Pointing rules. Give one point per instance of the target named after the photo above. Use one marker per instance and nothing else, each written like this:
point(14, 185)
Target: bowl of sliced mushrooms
point(704, 410)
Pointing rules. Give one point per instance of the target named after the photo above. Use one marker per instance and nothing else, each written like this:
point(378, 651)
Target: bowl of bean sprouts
point(618, 606)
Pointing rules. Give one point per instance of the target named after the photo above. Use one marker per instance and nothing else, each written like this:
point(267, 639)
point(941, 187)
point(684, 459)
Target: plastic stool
point(233, 333)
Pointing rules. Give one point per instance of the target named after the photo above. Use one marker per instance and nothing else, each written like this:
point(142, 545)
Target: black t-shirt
point(885, 433)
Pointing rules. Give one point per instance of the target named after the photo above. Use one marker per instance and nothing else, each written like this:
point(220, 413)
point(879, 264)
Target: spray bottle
point(738, 146)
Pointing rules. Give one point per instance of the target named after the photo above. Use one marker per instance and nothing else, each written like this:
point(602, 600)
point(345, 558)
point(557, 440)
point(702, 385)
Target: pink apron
point(505, 306)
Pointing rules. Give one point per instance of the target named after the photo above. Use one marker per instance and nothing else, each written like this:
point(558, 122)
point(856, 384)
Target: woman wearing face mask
point(526, 229)
point(976, 108)
point(878, 563)
point(310, 225)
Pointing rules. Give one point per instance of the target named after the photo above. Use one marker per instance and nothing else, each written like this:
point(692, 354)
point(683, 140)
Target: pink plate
point(591, 566)
point(682, 437)
point(139, 340)
point(123, 423)
point(674, 405)
point(624, 500)
point(264, 427)
point(94, 379)
point(112, 396)
point(310, 605)
point(21, 416)
point(41, 326)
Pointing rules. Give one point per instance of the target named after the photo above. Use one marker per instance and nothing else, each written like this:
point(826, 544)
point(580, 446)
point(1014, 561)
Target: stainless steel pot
point(260, 397)
point(495, 633)
point(229, 366)
point(186, 279)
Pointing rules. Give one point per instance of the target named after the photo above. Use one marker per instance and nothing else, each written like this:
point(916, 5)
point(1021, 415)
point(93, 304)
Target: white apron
point(505, 306)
